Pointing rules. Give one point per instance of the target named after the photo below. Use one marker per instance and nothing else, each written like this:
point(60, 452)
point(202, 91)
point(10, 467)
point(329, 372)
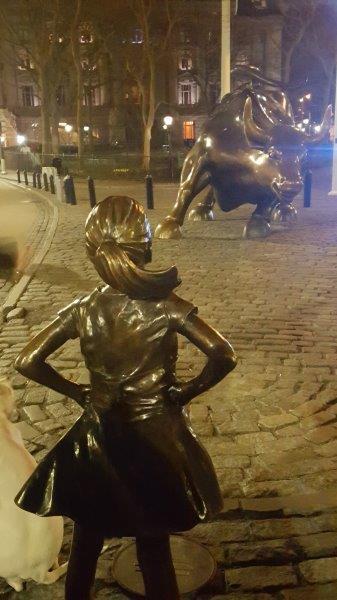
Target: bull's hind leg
point(194, 179)
point(204, 210)
point(283, 215)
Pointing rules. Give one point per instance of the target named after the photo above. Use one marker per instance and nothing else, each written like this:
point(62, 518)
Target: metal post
point(25, 175)
point(52, 184)
point(225, 47)
point(38, 179)
point(92, 192)
point(34, 179)
point(45, 182)
point(307, 188)
point(333, 191)
point(18, 176)
point(149, 191)
point(69, 190)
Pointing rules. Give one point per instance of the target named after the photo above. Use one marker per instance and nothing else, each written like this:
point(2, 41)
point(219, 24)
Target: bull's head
point(283, 145)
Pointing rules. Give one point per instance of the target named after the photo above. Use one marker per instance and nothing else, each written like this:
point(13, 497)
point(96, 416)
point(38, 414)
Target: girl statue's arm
point(31, 362)
point(221, 359)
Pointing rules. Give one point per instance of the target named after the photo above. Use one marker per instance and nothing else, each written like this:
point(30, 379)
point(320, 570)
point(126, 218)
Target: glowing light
point(301, 100)
point(68, 128)
point(2, 138)
point(62, 124)
point(305, 121)
point(86, 128)
point(20, 139)
point(208, 142)
point(308, 96)
point(168, 120)
point(164, 126)
point(317, 128)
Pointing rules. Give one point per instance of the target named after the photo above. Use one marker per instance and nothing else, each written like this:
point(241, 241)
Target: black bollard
point(18, 175)
point(307, 188)
point(25, 175)
point(92, 192)
point(52, 184)
point(34, 179)
point(149, 191)
point(45, 182)
point(38, 179)
point(69, 190)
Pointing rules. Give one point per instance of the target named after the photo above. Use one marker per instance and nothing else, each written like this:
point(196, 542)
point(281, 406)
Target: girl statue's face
point(139, 252)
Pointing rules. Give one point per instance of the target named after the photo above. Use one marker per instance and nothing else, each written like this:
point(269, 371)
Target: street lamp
point(168, 122)
point(20, 139)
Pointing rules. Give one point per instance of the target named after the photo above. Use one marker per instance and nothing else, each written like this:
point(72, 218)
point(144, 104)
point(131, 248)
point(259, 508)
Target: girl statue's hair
point(116, 223)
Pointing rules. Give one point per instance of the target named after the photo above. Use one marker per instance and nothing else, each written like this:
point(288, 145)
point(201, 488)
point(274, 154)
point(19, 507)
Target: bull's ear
point(323, 129)
point(254, 133)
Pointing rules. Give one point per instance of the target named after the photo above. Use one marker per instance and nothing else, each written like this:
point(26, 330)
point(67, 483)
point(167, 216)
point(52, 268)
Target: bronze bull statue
point(250, 151)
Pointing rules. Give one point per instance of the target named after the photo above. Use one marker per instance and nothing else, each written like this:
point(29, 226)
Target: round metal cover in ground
point(194, 566)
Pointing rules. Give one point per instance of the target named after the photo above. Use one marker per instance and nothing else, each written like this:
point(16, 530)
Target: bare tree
point(39, 32)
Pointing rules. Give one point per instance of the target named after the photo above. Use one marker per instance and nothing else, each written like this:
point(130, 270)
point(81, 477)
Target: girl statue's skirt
point(145, 477)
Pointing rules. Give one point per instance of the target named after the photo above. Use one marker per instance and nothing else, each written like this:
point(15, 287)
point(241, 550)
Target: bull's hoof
point(257, 227)
point(169, 229)
point(284, 216)
point(201, 213)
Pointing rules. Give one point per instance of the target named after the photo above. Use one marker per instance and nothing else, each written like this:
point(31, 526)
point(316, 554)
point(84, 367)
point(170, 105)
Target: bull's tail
point(52, 576)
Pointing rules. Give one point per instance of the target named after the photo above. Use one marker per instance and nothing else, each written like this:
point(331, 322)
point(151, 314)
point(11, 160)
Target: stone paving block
point(322, 570)
point(260, 578)
point(311, 592)
point(49, 425)
point(321, 435)
point(27, 432)
point(272, 422)
point(35, 395)
point(242, 596)
point(58, 410)
point(34, 413)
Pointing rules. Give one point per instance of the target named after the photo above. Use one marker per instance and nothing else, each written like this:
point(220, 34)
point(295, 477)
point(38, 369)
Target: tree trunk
point(147, 147)
point(45, 115)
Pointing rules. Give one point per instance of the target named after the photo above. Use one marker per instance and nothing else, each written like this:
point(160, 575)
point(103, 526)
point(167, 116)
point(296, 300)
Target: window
point(61, 95)
point(27, 95)
point(86, 38)
point(92, 96)
point(188, 92)
point(185, 62)
point(137, 37)
point(189, 131)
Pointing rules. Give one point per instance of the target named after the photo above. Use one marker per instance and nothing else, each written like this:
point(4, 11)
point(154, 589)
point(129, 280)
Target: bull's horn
point(323, 129)
point(254, 133)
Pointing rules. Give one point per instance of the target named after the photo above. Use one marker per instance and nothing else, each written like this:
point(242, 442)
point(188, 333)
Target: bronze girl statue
point(131, 465)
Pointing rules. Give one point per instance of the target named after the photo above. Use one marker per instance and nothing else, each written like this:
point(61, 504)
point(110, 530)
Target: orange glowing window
point(189, 130)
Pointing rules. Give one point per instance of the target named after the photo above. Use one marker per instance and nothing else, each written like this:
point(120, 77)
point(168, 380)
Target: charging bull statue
point(250, 151)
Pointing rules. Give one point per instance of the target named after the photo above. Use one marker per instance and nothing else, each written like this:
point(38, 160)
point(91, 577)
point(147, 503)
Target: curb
point(19, 288)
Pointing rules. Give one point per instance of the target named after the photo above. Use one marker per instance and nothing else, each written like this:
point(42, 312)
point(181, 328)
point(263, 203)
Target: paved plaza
point(270, 426)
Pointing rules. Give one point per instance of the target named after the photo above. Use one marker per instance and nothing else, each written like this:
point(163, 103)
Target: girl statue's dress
point(131, 465)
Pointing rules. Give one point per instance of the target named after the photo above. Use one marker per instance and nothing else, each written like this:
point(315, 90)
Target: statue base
point(194, 566)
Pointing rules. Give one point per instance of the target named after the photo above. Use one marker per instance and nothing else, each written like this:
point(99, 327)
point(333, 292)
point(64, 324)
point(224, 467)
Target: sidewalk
point(270, 427)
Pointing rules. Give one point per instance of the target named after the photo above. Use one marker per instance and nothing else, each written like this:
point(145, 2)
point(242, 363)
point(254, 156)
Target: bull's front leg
point(258, 225)
point(204, 210)
point(194, 179)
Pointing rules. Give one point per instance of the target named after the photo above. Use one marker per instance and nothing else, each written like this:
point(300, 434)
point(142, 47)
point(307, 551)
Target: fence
point(163, 166)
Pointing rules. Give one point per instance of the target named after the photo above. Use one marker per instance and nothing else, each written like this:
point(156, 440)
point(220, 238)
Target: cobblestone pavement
point(270, 427)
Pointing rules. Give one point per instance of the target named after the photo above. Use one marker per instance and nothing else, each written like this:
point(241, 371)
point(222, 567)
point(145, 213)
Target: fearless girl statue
point(131, 465)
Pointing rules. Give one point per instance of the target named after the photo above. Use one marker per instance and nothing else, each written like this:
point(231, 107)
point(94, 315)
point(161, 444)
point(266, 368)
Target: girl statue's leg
point(155, 561)
point(85, 550)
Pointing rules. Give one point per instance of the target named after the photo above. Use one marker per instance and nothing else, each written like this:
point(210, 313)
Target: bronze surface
point(250, 151)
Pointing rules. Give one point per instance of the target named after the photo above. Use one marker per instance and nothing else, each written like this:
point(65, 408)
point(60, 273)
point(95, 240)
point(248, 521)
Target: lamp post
point(168, 121)
point(2, 158)
point(333, 192)
point(225, 47)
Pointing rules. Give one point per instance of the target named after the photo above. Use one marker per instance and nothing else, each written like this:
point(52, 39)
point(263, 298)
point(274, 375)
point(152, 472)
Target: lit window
point(92, 96)
point(188, 92)
point(185, 62)
point(27, 92)
point(137, 37)
point(86, 38)
point(189, 130)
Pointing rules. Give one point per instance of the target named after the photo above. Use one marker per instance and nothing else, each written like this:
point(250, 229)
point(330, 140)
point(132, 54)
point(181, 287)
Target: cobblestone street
point(270, 426)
